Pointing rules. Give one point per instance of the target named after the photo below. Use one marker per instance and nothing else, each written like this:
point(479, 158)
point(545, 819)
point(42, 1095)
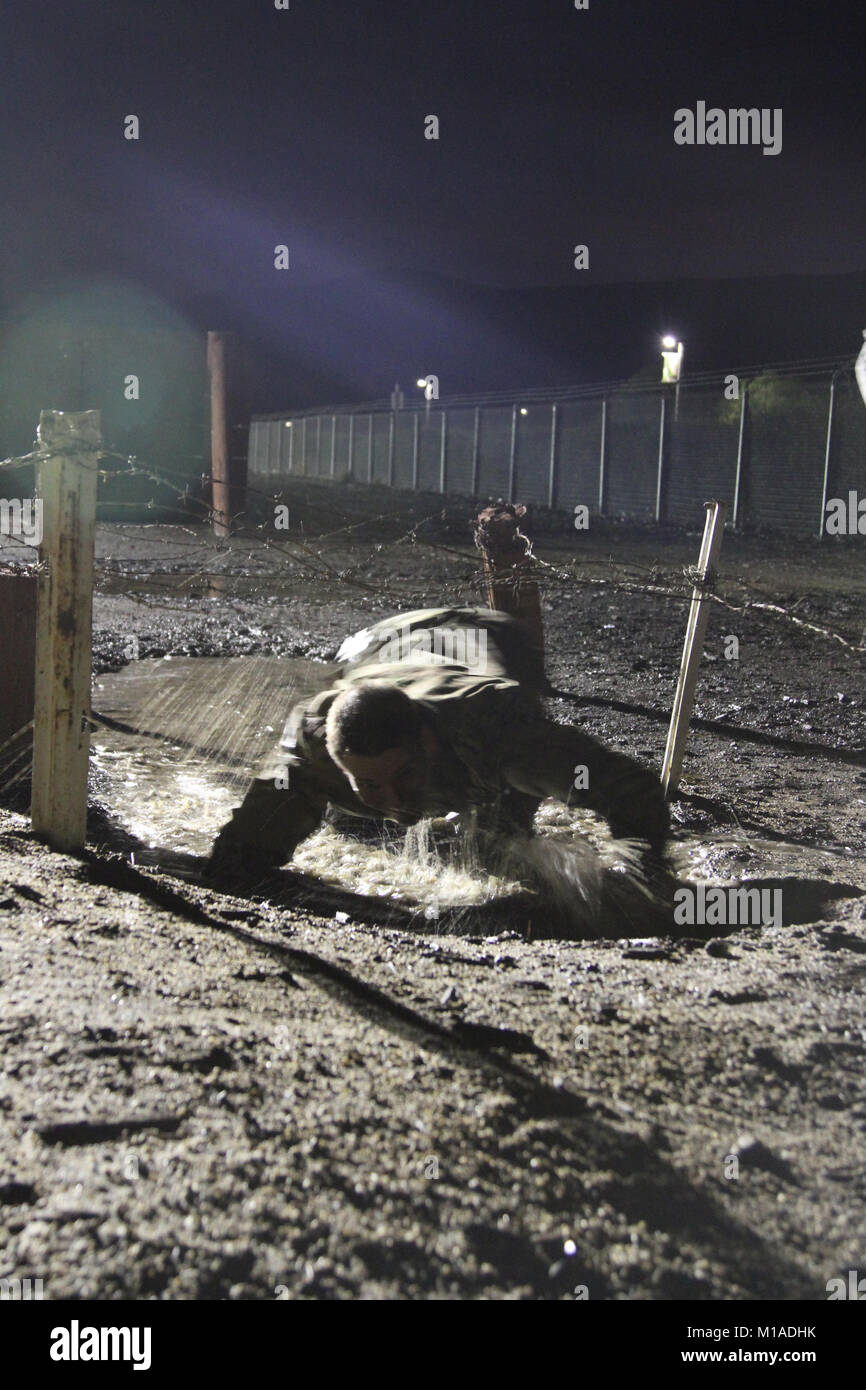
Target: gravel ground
point(209, 1096)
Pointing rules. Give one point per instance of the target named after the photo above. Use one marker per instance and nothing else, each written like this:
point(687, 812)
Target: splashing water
point(412, 873)
point(580, 884)
point(217, 718)
point(205, 724)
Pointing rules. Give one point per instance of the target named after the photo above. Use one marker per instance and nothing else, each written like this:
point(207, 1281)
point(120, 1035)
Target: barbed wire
point(310, 563)
point(685, 593)
point(22, 460)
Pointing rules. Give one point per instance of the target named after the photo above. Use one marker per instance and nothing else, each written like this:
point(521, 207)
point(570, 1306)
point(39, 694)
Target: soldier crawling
point(407, 732)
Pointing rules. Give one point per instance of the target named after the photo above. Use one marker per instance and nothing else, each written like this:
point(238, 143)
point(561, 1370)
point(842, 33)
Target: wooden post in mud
point(693, 648)
point(66, 478)
point(225, 500)
point(509, 568)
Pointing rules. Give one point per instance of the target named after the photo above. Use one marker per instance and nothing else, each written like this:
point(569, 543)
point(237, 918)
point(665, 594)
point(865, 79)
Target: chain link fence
point(773, 444)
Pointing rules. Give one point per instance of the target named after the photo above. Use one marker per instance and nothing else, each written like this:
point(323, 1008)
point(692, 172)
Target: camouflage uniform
point(499, 753)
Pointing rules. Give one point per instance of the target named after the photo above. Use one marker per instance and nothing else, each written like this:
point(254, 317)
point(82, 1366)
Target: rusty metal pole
point(509, 569)
point(66, 480)
point(220, 467)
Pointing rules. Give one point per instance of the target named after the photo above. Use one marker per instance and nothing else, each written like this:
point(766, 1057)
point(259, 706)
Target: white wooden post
point(692, 650)
point(66, 478)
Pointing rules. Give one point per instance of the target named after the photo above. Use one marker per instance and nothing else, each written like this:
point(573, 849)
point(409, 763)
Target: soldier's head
point(381, 740)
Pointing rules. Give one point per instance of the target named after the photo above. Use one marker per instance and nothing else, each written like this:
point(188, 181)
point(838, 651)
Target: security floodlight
point(672, 367)
point(672, 359)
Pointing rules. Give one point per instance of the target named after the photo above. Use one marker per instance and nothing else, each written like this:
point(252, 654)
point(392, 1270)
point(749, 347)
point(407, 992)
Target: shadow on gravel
point(854, 757)
point(591, 1160)
point(586, 1160)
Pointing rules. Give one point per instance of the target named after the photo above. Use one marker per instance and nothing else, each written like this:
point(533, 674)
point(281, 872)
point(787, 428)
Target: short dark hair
point(368, 719)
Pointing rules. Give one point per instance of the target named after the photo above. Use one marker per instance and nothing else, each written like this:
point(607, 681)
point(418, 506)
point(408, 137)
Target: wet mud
point(315, 1093)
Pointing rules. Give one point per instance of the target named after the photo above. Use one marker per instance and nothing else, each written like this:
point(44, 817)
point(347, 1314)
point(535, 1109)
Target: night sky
point(305, 126)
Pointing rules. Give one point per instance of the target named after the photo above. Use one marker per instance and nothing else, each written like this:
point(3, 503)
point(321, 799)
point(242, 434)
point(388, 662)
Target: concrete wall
point(765, 460)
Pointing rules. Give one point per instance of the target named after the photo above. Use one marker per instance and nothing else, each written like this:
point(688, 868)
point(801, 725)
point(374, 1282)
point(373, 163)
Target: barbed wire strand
point(313, 564)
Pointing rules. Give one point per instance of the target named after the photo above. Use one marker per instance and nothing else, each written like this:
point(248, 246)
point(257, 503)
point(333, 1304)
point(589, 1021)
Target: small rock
point(14, 1194)
point(718, 947)
point(743, 996)
point(753, 1154)
point(648, 948)
point(831, 1100)
point(746, 1144)
point(605, 1013)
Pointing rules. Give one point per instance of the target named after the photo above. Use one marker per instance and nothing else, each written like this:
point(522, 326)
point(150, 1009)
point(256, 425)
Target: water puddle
point(205, 724)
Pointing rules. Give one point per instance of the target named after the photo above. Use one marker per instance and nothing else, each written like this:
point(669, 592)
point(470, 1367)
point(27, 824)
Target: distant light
point(422, 381)
point(672, 359)
point(288, 424)
point(523, 410)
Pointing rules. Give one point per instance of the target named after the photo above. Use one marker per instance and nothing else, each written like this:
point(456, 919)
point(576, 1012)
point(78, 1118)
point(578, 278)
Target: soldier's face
point(395, 782)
